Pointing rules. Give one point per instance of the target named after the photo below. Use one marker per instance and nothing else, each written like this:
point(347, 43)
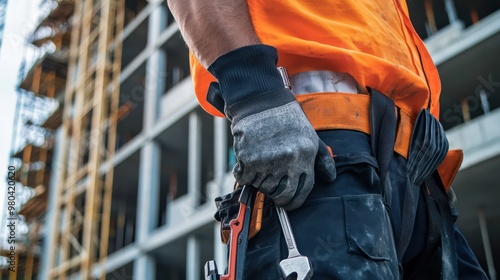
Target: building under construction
point(124, 179)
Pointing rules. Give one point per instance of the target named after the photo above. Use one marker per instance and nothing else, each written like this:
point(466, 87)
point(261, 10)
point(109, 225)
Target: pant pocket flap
point(367, 226)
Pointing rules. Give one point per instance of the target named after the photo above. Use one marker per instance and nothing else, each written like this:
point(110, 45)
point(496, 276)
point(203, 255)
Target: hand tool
point(238, 240)
point(295, 264)
point(211, 272)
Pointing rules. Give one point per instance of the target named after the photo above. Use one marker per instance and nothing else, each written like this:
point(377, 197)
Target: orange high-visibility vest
point(374, 41)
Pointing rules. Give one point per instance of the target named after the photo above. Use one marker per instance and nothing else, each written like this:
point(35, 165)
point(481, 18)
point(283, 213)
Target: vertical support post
point(120, 225)
point(37, 74)
point(450, 10)
point(149, 183)
point(48, 251)
point(220, 152)
point(154, 88)
point(486, 243)
point(193, 258)
point(30, 258)
point(149, 178)
point(485, 104)
point(431, 18)
point(13, 274)
point(157, 20)
point(194, 158)
point(155, 67)
point(465, 110)
point(147, 206)
point(58, 239)
point(51, 90)
point(40, 174)
point(220, 250)
point(119, 15)
point(220, 157)
point(145, 268)
point(93, 194)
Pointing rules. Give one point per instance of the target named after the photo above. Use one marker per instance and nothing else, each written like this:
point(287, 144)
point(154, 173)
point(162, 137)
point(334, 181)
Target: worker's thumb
point(325, 165)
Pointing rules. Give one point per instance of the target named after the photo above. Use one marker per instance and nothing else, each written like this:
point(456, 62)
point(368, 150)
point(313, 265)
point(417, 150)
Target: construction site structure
point(88, 137)
point(104, 204)
point(137, 163)
point(37, 117)
point(3, 10)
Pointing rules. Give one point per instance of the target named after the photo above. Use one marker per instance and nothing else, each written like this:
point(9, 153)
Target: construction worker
point(363, 84)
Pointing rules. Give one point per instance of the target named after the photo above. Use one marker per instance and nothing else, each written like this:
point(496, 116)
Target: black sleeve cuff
point(247, 72)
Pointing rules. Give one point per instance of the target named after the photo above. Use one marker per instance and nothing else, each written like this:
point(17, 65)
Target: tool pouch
point(227, 210)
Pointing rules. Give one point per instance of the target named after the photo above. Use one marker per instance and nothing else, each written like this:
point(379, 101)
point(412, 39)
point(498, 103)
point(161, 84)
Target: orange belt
point(336, 110)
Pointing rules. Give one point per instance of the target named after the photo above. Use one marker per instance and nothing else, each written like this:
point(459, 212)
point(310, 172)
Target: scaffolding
point(37, 117)
point(3, 8)
point(82, 218)
point(32, 176)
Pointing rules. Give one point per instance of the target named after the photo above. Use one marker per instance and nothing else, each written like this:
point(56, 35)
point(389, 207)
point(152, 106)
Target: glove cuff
point(247, 72)
point(259, 103)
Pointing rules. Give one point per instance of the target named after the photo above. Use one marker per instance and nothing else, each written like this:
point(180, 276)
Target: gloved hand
point(276, 148)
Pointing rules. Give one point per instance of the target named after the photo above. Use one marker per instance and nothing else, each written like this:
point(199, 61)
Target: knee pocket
point(347, 237)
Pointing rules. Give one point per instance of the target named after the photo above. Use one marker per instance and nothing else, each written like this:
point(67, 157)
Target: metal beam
point(193, 258)
point(486, 243)
point(194, 159)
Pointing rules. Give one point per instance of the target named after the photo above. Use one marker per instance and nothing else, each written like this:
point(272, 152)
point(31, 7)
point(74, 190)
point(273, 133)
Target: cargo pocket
point(368, 228)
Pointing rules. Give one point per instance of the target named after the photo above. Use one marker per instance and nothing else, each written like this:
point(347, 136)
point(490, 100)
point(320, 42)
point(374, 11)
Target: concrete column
point(485, 104)
point(149, 173)
point(450, 10)
point(156, 73)
point(156, 68)
point(194, 158)
point(149, 170)
point(220, 250)
point(193, 258)
point(147, 206)
point(220, 167)
point(486, 243)
point(47, 252)
point(145, 268)
point(149, 183)
point(157, 21)
point(220, 152)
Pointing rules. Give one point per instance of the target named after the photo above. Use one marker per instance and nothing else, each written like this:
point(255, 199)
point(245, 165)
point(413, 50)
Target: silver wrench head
point(299, 265)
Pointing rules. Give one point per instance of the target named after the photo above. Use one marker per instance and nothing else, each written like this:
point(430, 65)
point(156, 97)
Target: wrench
point(295, 263)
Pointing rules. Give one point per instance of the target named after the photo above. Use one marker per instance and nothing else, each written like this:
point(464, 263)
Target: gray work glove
point(276, 148)
point(278, 151)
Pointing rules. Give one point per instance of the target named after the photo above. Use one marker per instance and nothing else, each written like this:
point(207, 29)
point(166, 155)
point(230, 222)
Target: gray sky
point(20, 20)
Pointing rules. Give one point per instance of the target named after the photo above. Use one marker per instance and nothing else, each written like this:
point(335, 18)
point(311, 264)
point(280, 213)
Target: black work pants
point(347, 228)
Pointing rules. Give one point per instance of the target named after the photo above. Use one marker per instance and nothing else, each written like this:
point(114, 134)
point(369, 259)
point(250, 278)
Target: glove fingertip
point(237, 171)
point(330, 173)
point(294, 203)
point(325, 164)
point(304, 188)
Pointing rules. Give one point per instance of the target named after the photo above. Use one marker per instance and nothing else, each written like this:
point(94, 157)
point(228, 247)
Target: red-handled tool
point(238, 239)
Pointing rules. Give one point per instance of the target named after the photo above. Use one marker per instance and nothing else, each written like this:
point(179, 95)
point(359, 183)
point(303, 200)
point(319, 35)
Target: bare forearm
point(215, 27)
